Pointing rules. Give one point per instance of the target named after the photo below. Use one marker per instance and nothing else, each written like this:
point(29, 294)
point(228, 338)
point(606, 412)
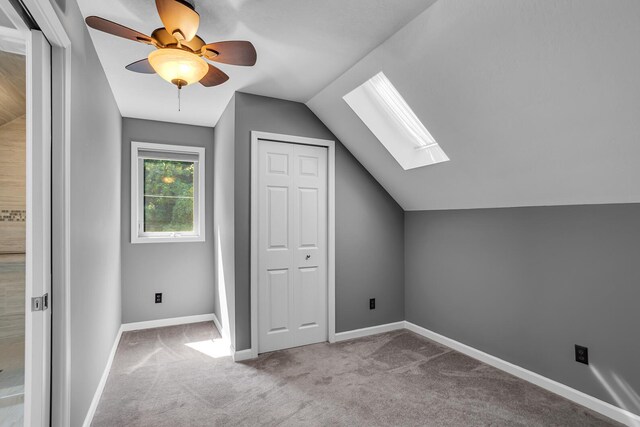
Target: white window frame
point(137, 195)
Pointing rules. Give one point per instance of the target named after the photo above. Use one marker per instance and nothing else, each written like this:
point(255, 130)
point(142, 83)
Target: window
point(167, 193)
point(385, 112)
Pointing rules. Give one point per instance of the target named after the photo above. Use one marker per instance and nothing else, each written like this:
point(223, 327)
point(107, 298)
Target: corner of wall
point(224, 222)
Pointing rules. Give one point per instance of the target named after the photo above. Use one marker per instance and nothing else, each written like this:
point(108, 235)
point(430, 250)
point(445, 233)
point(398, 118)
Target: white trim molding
point(331, 230)
point(173, 321)
point(45, 15)
point(602, 407)
point(225, 336)
point(171, 153)
point(372, 330)
point(239, 356)
point(218, 324)
point(103, 381)
point(50, 24)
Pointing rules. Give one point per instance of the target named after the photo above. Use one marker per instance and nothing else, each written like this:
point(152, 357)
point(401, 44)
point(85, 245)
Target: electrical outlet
point(582, 354)
point(158, 298)
point(372, 304)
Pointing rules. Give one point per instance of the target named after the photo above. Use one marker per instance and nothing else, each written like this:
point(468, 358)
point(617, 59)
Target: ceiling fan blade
point(214, 77)
point(179, 18)
point(236, 52)
point(143, 66)
point(110, 27)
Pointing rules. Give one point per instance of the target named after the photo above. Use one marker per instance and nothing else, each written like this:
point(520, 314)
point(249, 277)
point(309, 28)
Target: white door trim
point(37, 372)
point(331, 229)
point(45, 16)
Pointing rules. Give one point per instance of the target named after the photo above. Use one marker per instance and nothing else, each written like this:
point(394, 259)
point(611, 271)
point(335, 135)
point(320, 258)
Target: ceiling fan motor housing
point(164, 39)
point(190, 3)
point(179, 18)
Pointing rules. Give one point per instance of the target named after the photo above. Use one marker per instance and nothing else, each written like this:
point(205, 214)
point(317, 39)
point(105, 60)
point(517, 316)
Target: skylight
point(385, 112)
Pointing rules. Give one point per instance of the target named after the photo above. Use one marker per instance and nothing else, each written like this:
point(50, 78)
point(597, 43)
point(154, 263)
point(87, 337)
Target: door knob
point(308, 256)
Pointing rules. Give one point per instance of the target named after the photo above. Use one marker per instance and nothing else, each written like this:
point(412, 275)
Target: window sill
point(167, 239)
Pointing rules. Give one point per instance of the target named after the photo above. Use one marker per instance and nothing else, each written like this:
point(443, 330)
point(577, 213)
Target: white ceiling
point(535, 102)
point(302, 45)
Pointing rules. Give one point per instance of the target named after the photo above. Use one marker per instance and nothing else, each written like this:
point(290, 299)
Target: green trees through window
point(168, 196)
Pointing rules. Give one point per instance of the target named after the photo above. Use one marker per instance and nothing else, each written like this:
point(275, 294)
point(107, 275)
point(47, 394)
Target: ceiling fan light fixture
point(178, 66)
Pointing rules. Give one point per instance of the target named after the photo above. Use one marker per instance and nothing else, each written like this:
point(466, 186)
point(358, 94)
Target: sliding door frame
point(56, 409)
point(47, 19)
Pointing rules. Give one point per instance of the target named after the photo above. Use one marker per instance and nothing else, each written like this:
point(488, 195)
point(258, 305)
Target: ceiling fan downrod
point(180, 84)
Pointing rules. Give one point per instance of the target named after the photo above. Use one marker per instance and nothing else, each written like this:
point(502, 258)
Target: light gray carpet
point(393, 379)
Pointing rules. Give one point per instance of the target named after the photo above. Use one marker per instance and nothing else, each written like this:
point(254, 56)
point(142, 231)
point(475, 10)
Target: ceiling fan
point(179, 53)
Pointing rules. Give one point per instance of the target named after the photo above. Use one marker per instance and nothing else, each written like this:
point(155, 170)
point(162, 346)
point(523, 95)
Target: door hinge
point(40, 303)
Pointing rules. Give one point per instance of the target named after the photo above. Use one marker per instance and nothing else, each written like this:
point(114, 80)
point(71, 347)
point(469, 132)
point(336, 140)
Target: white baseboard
point(218, 324)
point(160, 323)
point(567, 392)
point(248, 354)
point(103, 381)
point(224, 335)
point(359, 333)
point(239, 356)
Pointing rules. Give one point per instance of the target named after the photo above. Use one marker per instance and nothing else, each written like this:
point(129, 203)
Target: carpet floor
point(178, 376)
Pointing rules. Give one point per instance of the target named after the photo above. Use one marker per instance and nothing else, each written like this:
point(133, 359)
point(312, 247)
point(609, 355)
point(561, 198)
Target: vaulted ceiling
point(303, 45)
point(536, 102)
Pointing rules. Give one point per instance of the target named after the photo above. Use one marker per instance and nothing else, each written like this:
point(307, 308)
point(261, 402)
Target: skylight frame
point(386, 113)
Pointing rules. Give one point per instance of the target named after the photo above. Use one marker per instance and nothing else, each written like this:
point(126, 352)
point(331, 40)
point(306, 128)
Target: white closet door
point(292, 276)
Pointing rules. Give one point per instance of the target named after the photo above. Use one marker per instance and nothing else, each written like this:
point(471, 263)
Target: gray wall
point(369, 223)
point(95, 220)
point(183, 272)
point(526, 284)
point(224, 134)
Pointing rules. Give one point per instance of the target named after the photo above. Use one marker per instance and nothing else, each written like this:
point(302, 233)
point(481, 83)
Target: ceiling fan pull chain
point(179, 102)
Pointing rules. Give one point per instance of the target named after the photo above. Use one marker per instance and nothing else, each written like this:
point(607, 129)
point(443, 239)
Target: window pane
point(168, 196)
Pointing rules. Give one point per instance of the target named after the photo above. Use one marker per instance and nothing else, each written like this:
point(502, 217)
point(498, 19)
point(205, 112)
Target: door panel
point(308, 166)
point(278, 163)
point(278, 208)
point(278, 304)
point(310, 259)
point(292, 240)
point(306, 297)
point(308, 217)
